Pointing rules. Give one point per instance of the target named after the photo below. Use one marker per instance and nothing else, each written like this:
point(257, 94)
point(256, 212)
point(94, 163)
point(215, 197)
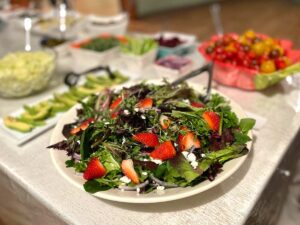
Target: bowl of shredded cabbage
point(24, 73)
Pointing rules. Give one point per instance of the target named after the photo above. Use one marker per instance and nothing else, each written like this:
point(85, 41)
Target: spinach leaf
point(246, 124)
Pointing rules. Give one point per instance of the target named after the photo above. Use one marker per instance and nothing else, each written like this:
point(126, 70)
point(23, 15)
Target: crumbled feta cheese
point(125, 179)
point(203, 155)
point(123, 140)
point(136, 109)
point(78, 141)
point(157, 161)
point(144, 173)
point(185, 154)
point(191, 157)
point(106, 123)
point(145, 160)
point(160, 188)
point(186, 101)
point(194, 164)
point(175, 144)
point(143, 117)
point(126, 112)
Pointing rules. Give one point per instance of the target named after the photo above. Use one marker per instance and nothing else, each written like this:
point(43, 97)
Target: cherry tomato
point(280, 64)
point(268, 66)
point(258, 48)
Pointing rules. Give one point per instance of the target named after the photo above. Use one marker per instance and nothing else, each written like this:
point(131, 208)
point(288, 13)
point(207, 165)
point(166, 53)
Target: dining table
point(32, 191)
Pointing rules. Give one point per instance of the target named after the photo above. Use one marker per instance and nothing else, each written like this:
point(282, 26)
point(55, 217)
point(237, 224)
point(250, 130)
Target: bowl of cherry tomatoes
point(250, 61)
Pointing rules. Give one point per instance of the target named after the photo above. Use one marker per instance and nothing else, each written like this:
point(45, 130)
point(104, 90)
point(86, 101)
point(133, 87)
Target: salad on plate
point(151, 137)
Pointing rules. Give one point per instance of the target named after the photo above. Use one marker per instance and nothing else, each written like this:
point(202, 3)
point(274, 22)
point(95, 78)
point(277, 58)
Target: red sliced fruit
point(128, 170)
point(114, 115)
point(148, 139)
point(115, 103)
point(197, 104)
point(75, 130)
point(164, 151)
point(187, 141)
point(94, 169)
point(86, 123)
point(164, 122)
point(213, 120)
point(145, 103)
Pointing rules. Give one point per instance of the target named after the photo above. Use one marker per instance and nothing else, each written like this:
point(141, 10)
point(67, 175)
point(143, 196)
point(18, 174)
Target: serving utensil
point(206, 68)
point(27, 27)
point(215, 10)
point(72, 78)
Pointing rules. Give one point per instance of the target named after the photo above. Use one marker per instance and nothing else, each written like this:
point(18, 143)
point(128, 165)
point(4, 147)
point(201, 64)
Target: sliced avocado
point(71, 96)
point(64, 99)
point(74, 91)
point(58, 107)
point(31, 122)
point(12, 123)
point(41, 114)
point(88, 91)
point(93, 79)
point(30, 109)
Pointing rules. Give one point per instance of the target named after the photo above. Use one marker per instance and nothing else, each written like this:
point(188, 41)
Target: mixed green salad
point(101, 44)
point(37, 115)
point(151, 137)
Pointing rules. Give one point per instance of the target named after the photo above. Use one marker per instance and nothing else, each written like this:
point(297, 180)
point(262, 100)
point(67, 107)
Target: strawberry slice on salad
point(212, 119)
point(188, 140)
point(164, 151)
point(148, 139)
point(94, 169)
point(128, 170)
point(145, 103)
point(83, 126)
point(116, 103)
point(164, 122)
point(197, 104)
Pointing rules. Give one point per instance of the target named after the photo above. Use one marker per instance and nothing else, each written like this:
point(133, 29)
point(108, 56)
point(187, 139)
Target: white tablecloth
point(33, 192)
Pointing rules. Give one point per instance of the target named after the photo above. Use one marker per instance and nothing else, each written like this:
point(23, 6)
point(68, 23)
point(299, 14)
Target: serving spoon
point(27, 27)
point(206, 68)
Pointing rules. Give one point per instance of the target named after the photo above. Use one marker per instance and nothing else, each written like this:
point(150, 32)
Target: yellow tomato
point(267, 66)
point(250, 34)
point(259, 48)
point(279, 48)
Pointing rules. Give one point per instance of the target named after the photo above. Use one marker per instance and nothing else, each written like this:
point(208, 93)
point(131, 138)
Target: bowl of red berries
point(250, 61)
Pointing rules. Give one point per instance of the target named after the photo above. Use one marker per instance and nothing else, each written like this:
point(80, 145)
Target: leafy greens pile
point(150, 137)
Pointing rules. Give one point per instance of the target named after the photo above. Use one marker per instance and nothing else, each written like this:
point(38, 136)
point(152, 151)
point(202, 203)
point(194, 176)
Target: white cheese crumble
point(157, 161)
point(160, 188)
point(136, 109)
point(194, 164)
point(106, 123)
point(144, 173)
point(191, 157)
point(125, 179)
point(123, 140)
point(186, 101)
point(203, 155)
point(143, 117)
point(126, 112)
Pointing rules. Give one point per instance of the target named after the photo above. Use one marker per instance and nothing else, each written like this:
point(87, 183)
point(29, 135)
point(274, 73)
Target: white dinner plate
point(59, 158)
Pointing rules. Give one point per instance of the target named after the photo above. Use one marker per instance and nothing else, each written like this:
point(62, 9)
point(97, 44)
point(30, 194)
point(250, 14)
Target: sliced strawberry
point(164, 122)
point(115, 103)
point(197, 104)
point(75, 130)
point(187, 141)
point(86, 123)
point(145, 103)
point(94, 169)
point(128, 170)
point(164, 151)
point(148, 139)
point(212, 119)
point(114, 115)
